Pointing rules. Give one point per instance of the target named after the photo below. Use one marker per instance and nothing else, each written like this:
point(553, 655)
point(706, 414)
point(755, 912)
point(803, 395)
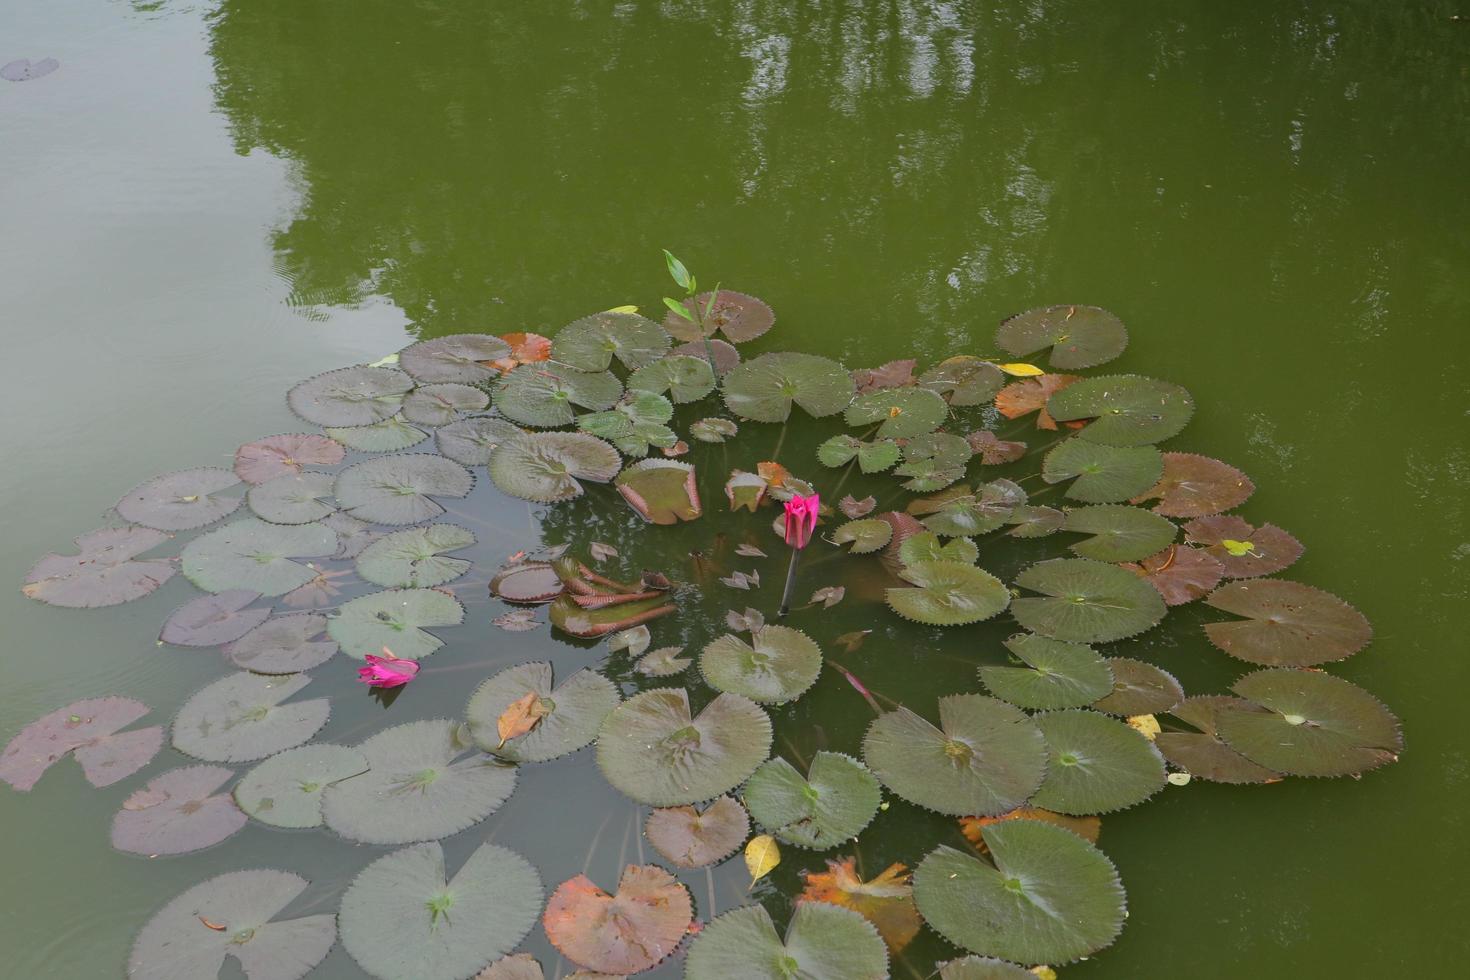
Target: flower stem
point(790, 584)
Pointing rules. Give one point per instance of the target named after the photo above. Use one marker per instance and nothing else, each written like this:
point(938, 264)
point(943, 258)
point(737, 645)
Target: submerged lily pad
point(735, 315)
point(713, 430)
point(471, 441)
point(545, 467)
point(1313, 724)
point(105, 572)
point(1079, 336)
point(948, 593)
point(574, 711)
point(865, 536)
point(210, 620)
point(350, 396)
point(591, 343)
point(1126, 409)
point(964, 380)
point(925, 546)
point(663, 662)
point(823, 942)
point(1203, 754)
point(765, 388)
point(902, 412)
point(256, 555)
point(1035, 522)
point(455, 358)
point(778, 665)
point(440, 404)
point(691, 838)
point(422, 783)
point(662, 491)
point(986, 757)
point(396, 619)
point(652, 749)
point(628, 932)
point(265, 459)
point(1096, 764)
point(240, 718)
point(181, 501)
point(1056, 675)
point(1139, 688)
point(90, 729)
point(283, 645)
point(1118, 532)
point(296, 498)
point(400, 489)
point(1085, 601)
point(416, 557)
point(982, 968)
point(178, 944)
point(1104, 474)
point(177, 812)
point(1197, 486)
point(1287, 624)
point(685, 378)
point(835, 800)
point(387, 436)
point(1180, 573)
point(1251, 551)
point(546, 395)
point(1048, 897)
point(404, 918)
point(960, 513)
point(286, 789)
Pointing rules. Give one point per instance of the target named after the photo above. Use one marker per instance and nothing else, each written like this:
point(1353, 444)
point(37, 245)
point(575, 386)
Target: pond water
point(205, 204)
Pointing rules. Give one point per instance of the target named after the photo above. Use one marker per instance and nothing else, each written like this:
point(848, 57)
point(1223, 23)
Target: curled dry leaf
point(750, 551)
point(602, 552)
point(887, 901)
point(517, 621)
point(524, 714)
point(746, 622)
point(1088, 828)
point(828, 596)
point(854, 509)
point(1030, 395)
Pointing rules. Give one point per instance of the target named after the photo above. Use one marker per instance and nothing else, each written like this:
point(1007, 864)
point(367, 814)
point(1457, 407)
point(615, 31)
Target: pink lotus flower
point(387, 670)
point(801, 519)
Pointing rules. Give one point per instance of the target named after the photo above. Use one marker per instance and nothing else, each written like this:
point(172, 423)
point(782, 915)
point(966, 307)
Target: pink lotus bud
point(801, 519)
point(387, 670)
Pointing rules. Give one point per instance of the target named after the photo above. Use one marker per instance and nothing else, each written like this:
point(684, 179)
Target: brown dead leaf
point(523, 715)
point(887, 901)
point(1030, 394)
point(1088, 828)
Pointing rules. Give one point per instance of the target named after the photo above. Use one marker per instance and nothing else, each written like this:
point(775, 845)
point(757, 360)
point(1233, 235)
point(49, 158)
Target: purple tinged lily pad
point(25, 70)
point(178, 812)
point(89, 729)
point(211, 620)
point(265, 459)
point(283, 645)
point(104, 573)
point(181, 501)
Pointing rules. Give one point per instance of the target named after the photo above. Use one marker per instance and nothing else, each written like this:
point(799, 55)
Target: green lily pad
point(297, 498)
point(545, 394)
point(634, 424)
point(422, 783)
point(684, 378)
point(735, 315)
point(902, 412)
point(1029, 521)
point(865, 536)
point(105, 572)
point(933, 461)
point(240, 718)
point(690, 838)
point(1126, 409)
point(180, 501)
point(834, 802)
point(1104, 474)
point(416, 557)
point(1096, 764)
point(823, 942)
point(1197, 486)
point(404, 918)
point(387, 436)
point(1086, 601)
point(764, 389)
point(960, 513)
point(662, 491)
point(1313, 724)
point(1079, 336)
point(982, 968)
point(948, 593)
point(925, 546)
point(652, 749)
point(575, 710)
point(396, 619)
point(545, 467)
point(283, 645)
point(175, 945)
point(1056, 675)
point(440, 404)
point(1139, 688)
point(1118, 532)
point(454, 359)
point(177, 812)
point(1287, 624)
point(872, 457)
point(471, 441)
point(1203, 754)
point(286, 789)
point(777, 666)
point(256, 555)
point(400, 489)
point(986, 757)
point(591, 343)
point(964, 380)
point(350, 396)
point(1048, 897)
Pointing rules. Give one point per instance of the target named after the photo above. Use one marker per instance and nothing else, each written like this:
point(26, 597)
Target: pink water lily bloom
point(387, 670)
point(801, 519)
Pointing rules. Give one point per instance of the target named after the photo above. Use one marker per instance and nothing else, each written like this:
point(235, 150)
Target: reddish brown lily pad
point(1287, 624)
point(265, 459)
point(692, 838)
point(994, 450)
point(628, 932)
point(1197, 486)
point(178, 812)
point(1203, 753)
point(1180, 573)
point(105, 572)
point(894, 374)
point(530, 583)
point(90, 730)
point(211, 620)
point(1243, 550)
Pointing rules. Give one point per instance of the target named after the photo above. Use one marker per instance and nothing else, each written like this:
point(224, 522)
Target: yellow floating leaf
point(1145, 725)
point(388, 361)
point(1088, 828)
point(624, 309)
point(1021, 370)
point(887, 901)
point(523, 715)
point(761, 856)
point(1179, 778)
point(1044, 972)
point(1238, 548)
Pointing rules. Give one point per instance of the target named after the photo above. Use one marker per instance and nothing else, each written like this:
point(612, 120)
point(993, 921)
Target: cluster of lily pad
point(1027, 760)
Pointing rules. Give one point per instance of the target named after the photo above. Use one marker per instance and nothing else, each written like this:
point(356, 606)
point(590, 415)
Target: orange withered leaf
point(525, 348)
point(1030, 394)
point(887, 901)
point(772, 472)
point(523, 715)
point(1087, 828)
